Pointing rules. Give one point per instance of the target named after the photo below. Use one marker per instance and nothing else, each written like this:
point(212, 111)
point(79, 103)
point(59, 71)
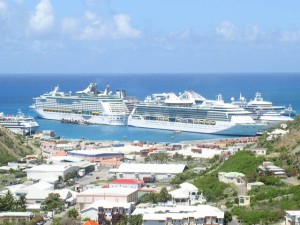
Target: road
point(93, 176)
point(87, 179)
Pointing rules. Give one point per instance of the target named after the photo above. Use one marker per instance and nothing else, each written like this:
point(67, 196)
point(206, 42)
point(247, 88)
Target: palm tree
point(21, 203)
point(7, 202)
point(124, 220)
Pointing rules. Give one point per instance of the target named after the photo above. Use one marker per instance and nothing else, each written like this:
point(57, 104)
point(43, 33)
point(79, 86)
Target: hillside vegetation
point(268, 202)
point(14, 146)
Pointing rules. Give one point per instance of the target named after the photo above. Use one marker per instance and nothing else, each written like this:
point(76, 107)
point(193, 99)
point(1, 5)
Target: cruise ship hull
point(222, 128)
point(23, 130)
point(111, 119)
point(19, 127)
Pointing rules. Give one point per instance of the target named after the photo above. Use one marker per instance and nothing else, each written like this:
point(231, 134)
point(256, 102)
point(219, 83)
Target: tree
point(73, 213)
point(124, 220)
point(227, 217)
point(7, 202)
point(151, 197)
point(21, 204)
point(164, 195)
point(53, 203)
point(136, 220)
point(56, 221)
point(189, 158)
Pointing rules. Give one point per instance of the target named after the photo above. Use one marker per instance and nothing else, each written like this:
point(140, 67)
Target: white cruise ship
point(263, 111)
point(19, 124)
point(88, 106)
point(193, 113)
point(273, 118)
point(257, 106)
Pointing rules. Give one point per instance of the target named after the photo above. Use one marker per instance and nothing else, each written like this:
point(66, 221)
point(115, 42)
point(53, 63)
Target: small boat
point(288, 112)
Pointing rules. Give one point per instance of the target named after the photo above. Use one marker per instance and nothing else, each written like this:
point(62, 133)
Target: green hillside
point(14, 146)
point(268, 202)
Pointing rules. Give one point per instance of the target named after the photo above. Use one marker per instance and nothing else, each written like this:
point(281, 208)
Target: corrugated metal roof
point(149, 168)
point(126, 181)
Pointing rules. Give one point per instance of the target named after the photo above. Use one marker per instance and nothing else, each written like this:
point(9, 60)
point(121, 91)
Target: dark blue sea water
point(17, 92)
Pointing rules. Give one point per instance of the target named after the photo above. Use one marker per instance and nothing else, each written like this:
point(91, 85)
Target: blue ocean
point(18, 91)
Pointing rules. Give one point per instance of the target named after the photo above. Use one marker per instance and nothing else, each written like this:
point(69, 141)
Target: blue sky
point(149, 36)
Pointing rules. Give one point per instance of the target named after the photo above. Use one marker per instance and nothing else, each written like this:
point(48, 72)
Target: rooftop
point(179, 211)
point(108, 205)
point(232, 174)
point(49, 168)
point(119, 191)
point(149, 168)
point(93, 153)
point(293, 212)
point(126, 181)
point(90, 222)
point(63, 158)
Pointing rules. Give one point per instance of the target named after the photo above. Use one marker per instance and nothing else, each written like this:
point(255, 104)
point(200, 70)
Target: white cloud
point(19, 1)
point(3, 8)
point(227, 30)
point(230, 32)
point(69, 25)
point(252, 33)
point(43, 18)
point(290, 36)
point(124, 27)
point(93, 27)
point(46, 46)
point(90, 16)
point(185, 35)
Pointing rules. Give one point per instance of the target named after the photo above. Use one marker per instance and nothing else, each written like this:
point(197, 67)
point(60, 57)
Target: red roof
point(90, 222)
point(126, 181)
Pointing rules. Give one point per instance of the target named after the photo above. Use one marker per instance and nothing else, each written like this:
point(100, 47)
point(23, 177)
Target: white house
point(39, 186)
point(34, 198)
point(90, 196)
point(105, 209)
point(161, 172)
point(126, 183)
point(47, 172)
point(253, 185)
point(15, 217)
point(269, 167)
point(187, 194)
point(259, 151)
point(231, 177)
point(179, 214)
point(292, 217)
point(244, 200)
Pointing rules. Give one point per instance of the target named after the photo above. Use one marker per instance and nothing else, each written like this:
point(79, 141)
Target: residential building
point(187, 194)
point(90, 196)
point(259, 151)
point(179, 214)
point(161, 172)
point(34, 199)
point(254, 185)
point(50, 172)
point(231, 177)
point(244, 200)
point(292, 217)
point(39, 186)
point(90, 222)
point(15, 217)
point(268, 168)
point(103, 210)
point(104, 158)
point(127, 183)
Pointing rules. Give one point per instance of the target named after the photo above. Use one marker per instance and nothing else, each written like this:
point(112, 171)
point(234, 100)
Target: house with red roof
point(90, 222)
point(127, 183)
